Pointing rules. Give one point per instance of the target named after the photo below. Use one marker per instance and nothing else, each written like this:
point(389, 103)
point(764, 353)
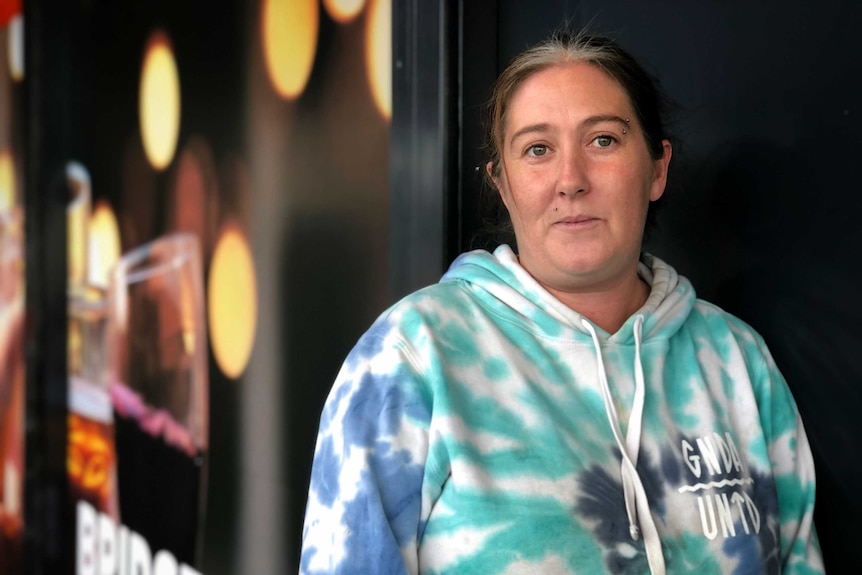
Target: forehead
point(569, 91)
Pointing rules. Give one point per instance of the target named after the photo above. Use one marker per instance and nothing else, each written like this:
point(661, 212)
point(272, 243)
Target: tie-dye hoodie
point(481, 426)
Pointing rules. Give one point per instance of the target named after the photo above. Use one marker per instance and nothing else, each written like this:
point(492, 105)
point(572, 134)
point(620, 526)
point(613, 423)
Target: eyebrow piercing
point(625, 130)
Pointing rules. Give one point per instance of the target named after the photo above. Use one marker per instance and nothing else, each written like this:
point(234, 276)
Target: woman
point(574, 407)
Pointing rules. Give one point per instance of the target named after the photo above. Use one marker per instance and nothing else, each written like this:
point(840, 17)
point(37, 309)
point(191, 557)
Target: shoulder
point(436, 297)
point(405, 329)
point(717, 317)
point(730, 333)
point(423, 309)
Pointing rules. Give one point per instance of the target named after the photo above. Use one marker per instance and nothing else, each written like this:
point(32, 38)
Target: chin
point(583, 262)
point(586, 269)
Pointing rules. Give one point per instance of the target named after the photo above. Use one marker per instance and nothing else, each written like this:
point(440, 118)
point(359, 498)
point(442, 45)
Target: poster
point(137, 363)
point(227, 223)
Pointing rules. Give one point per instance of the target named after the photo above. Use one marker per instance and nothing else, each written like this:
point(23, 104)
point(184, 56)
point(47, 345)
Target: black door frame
point(444, 60)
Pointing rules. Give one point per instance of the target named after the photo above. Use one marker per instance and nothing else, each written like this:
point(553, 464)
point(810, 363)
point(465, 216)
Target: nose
point(572, 176)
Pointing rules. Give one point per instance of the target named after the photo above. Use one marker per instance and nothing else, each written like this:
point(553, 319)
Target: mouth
point(576, 222)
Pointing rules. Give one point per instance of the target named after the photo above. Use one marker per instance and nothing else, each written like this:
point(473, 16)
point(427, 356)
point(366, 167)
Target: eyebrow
point(531, 129)
point(588, 122)
point(593, 120)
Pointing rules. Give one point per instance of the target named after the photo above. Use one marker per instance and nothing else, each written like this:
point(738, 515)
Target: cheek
point(509, 200)
point(639, 186)
point(529, 191)
point(626, 194)
point(527, 209)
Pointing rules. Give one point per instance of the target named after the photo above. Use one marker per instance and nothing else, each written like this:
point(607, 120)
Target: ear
point(660, 168)
point(499, 183)
point(489, 169)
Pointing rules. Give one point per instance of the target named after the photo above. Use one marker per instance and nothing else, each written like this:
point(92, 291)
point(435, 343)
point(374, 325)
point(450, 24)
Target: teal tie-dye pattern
point(458, 344)
point(681, 377)
point(547, 324)
point(790, 486)
point(495, 368)
point(467, 433)
point(758, 451)
point(411, 324)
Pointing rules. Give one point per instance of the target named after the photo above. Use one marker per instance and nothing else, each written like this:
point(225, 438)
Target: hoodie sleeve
point(364, 501)
point(793, 468)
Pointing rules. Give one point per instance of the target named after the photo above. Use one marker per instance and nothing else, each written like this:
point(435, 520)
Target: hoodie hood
point(499, 280)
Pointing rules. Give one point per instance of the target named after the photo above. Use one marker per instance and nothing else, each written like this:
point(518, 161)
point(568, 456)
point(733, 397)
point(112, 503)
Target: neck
point(610, 307)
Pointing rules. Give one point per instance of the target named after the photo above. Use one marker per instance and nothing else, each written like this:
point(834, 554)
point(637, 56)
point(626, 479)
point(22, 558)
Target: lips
point(579, 220)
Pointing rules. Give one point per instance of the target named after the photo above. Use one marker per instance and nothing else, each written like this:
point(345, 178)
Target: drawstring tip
point(634, 532)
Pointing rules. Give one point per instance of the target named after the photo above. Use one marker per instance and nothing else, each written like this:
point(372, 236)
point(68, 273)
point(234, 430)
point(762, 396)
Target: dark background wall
point(762, 210)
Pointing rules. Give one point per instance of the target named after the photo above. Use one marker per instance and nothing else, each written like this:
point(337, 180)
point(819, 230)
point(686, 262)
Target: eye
point(537, 150)
point(604, 141)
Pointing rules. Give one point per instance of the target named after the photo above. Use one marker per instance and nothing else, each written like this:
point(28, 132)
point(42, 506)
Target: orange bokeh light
point(289, 32)
point(378, 54)
point(232, 301)
point(343, 11)
point(159, 101)
point(90, 459)
point(103, 245)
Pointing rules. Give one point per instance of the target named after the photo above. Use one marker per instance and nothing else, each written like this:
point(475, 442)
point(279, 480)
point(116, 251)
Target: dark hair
point(563, 47)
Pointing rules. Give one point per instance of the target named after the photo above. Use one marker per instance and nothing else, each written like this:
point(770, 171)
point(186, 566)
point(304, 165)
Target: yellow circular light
point(159, 101)
point(7, 181)
point(378, 54)
point(289, 32)
point(232, 301)
point(103, 244)
point(343, 11)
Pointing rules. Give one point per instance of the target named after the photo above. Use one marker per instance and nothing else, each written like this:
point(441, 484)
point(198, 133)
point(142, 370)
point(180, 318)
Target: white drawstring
point(637, 505)
point(633, 430)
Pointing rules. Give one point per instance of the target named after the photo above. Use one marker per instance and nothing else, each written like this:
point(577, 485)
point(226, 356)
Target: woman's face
point(577, 178)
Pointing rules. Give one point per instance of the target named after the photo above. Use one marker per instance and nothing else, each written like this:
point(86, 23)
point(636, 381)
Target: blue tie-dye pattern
point(372, 543)
point(385, 401)
point(747, 552)
point(324, 472)
point(308, 553)
point(401, 500)
point(602, 501)
point(671, 467)
point(374, 538)
point(328, 411)
point(379, 399)
point(370, 345)
point(653, 479)
point(766, 497)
